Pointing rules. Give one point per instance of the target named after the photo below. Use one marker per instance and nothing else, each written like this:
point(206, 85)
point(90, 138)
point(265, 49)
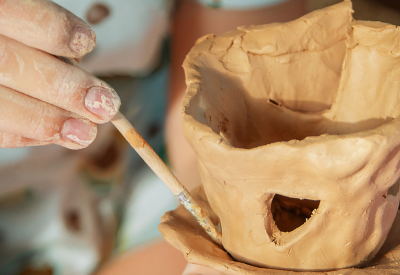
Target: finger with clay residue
point(44, 25)
point(45, 77)
point(26, 121)
point(13, 141)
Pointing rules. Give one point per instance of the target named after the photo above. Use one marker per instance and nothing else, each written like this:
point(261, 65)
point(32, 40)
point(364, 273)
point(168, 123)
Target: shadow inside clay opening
point(394, 189)
point(248, 119)
point(290, 213)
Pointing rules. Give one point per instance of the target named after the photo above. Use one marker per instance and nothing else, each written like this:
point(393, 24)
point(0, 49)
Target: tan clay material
point(306, 110)
point(182, 231)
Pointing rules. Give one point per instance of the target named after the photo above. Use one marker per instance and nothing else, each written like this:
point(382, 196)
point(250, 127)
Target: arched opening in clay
point(290, 213)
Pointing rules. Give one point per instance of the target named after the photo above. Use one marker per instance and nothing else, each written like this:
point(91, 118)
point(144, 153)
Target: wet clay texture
point(182, 231)
point(296, 130)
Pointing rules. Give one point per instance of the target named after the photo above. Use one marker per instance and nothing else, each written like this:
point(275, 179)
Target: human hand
point(192, 269)
point(42, 99)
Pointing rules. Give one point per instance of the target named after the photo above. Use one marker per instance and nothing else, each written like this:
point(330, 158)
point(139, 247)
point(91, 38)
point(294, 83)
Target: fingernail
point(83, 39)
point(78, 130)
point(103, 102)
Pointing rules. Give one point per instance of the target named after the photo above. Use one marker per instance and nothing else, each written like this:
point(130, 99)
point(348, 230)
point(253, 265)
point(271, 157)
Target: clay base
point(181, 230)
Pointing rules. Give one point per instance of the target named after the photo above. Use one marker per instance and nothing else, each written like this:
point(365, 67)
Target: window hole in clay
point(290, 213)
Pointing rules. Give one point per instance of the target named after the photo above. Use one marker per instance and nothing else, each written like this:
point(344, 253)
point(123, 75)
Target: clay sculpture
point(297, 132)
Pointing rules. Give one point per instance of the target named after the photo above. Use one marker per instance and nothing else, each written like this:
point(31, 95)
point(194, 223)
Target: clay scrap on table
point(296, 130)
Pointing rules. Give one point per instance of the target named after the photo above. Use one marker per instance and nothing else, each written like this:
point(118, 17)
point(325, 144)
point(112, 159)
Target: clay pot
point(298, 144)
point(182, 231)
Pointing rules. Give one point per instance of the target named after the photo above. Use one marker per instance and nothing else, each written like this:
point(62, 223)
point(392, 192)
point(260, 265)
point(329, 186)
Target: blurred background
point(373, 10)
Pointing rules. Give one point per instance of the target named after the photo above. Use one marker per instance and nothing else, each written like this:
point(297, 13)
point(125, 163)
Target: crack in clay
point(187, 254)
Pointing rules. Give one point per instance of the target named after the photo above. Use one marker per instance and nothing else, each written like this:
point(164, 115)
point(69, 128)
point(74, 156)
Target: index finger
point(44, 25)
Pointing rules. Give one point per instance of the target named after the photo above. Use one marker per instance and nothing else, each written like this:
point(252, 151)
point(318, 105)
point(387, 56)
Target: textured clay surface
point(181, 230)
point(296, 130)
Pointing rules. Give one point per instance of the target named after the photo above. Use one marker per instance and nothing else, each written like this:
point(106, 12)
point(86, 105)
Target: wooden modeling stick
point(161, 169)
point(165, 174)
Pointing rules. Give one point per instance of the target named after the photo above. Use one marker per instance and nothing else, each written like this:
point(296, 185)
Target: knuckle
point(60, 85)
point(41, 125)
point(64, 88)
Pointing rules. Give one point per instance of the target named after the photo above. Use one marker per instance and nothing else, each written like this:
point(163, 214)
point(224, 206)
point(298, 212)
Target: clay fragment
point(299, 118)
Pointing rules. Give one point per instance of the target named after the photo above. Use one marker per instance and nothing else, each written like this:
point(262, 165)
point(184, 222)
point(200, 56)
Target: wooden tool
point(165, 174)
point(161, 169)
